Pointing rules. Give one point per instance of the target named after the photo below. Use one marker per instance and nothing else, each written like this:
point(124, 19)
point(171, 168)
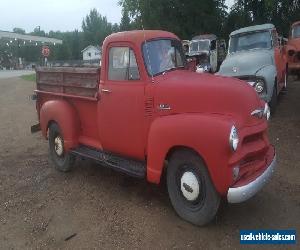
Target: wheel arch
point(182, 131)
point(65, 116)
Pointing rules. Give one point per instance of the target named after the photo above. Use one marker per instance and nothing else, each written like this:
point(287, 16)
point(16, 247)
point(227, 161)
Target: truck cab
point(208, 52)
point(256, 56)
point(293, 49)
point(144, 113)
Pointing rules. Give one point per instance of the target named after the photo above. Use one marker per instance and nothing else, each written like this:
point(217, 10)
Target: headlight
point(259, 86)
point(267, 112)
point(233, 138)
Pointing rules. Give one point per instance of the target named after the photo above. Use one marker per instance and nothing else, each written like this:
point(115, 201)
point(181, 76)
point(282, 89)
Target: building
point(91, 53)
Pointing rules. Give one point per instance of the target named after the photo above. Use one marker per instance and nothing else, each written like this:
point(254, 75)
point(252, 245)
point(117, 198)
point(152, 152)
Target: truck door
point(213, 55)
point(121, 107)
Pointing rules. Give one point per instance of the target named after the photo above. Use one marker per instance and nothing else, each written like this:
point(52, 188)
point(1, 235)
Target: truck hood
point(246, 62)
point(188, 92)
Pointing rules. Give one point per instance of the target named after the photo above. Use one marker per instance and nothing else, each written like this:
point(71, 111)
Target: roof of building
point(267, 26)
point(91, 47)
point(26, 37)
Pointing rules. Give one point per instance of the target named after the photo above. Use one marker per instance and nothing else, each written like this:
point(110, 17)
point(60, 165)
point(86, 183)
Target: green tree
point(96, 27)
point(19, 31)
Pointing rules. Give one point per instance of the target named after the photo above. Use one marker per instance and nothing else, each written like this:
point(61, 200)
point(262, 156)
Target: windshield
point(296, 31)
point(162, 55)
point(200, 45)
point(248, 41)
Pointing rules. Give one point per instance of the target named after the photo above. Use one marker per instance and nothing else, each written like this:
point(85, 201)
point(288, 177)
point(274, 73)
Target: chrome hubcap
point(190, 187)
point(58, 146)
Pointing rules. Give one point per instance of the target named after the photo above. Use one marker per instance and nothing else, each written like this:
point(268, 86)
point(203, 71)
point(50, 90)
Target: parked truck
point(293, 50)
point(256, 56)
point(208, 51)
point(145, 114)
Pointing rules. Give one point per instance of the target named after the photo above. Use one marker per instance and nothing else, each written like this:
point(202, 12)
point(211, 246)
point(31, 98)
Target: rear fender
point(206, 134)
point(65, 115)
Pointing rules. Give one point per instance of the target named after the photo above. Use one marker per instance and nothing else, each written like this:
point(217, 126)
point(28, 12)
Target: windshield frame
point(164, 38)
point(251, 32)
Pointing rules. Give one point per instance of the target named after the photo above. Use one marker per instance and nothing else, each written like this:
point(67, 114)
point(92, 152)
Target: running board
point(125, 165)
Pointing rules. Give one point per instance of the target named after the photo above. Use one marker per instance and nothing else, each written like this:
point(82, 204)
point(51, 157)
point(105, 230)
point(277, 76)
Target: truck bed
point(81, 82)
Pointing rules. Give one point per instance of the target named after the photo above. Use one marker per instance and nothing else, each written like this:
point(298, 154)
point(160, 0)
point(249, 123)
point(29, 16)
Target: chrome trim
point(259, 113)
point(243, 193)
point(106, 90)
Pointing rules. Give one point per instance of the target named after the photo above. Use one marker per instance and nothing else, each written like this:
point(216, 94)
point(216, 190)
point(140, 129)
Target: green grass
point(31, 77)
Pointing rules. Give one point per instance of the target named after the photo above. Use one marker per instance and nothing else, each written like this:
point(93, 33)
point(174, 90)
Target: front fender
point(207, 134)
point(65, 115)
point(269, 73)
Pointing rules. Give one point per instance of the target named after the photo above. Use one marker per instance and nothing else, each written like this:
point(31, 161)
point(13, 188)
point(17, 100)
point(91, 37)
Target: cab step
point(128, 166)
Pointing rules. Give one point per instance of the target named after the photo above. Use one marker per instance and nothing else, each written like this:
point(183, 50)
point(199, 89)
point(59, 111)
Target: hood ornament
point(235, 69)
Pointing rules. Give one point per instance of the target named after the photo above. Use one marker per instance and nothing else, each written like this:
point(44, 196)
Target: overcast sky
point(63, 15)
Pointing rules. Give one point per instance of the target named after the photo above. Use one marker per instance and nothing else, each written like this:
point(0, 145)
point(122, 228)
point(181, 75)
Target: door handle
point(106, 91)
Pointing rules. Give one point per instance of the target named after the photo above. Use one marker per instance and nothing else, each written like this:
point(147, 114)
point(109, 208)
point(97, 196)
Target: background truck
point(145, 114)
point(208, 51)
point(256, 56)
point(293, 49)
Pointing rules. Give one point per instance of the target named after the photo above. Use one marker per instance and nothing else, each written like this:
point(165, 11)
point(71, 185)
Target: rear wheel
point(190, 188)
point(62, 160)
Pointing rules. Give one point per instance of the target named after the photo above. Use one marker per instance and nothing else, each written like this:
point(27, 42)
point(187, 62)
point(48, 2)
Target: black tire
point(64, 161)
point(273, 101)
point(204, 207)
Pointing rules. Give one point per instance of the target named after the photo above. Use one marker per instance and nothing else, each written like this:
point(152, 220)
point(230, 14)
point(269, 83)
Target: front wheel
point(190, 188)
point(62, 160)
point(273, 101)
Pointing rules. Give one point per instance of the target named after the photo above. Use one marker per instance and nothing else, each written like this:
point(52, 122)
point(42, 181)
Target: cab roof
point(138, 36)
point(296, 23)
point(267, 26)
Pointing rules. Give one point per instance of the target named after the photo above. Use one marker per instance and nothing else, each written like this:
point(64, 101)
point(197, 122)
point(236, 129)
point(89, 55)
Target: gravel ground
point(95, 207)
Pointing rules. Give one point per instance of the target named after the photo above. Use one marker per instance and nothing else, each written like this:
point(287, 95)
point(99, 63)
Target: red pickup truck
point(146, 114)
point(293, 49)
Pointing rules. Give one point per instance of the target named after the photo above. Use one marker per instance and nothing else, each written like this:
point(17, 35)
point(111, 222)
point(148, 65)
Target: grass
point(31, 77)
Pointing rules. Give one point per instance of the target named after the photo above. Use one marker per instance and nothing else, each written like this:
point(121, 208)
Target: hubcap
point(190, 187)
point(58, 146)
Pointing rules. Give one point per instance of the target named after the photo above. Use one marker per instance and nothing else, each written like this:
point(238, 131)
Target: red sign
point(45, 51)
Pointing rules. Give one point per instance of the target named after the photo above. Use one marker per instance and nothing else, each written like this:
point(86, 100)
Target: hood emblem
point(235, 69)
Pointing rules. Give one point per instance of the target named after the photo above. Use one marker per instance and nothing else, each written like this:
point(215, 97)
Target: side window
point(122, 64)
point(213, 45)
point(133, 68)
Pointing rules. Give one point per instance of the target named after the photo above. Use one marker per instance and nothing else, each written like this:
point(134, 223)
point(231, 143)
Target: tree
point(19, 31)
point(125, 20)
point(183, 17)
point(96, 27)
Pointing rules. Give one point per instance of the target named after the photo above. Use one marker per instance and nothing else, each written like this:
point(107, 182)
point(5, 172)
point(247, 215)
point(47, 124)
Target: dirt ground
point(100, 208)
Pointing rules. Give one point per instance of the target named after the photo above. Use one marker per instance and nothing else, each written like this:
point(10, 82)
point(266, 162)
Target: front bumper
point(243, 193)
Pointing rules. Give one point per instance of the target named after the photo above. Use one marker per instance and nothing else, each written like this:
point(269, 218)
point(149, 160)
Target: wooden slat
point(74, 81)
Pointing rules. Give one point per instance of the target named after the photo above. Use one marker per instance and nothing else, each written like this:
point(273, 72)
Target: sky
point(63, 15)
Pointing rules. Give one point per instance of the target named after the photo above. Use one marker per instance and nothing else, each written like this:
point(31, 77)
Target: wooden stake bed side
point(81, 82)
